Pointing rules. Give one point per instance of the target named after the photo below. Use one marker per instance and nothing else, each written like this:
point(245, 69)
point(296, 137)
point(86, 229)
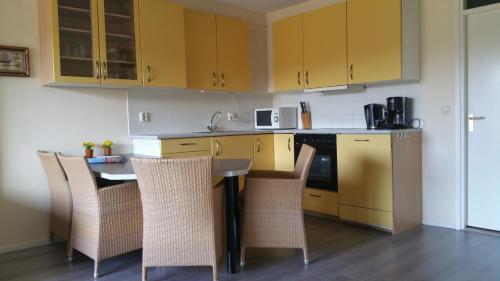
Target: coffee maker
point(397, 113)
point(374, 114)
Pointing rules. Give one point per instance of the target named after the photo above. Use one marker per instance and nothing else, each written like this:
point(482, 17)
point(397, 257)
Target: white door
point(483, 90)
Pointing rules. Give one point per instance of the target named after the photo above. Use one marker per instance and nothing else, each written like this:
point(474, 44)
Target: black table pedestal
point(232, 223)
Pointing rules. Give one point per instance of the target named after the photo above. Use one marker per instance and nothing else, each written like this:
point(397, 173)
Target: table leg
point(232, 223)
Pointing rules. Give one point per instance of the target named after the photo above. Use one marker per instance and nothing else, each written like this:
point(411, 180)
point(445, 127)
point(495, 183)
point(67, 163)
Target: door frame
point(461, 112)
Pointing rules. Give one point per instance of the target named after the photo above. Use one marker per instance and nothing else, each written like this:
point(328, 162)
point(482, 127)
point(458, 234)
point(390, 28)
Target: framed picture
point(14, 61)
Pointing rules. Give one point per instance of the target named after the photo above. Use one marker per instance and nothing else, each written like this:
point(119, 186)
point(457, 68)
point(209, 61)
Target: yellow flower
point(107, 144)
point(88, 144)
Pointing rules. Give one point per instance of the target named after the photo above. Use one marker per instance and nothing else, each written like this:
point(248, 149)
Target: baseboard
point(22, 246)
point(443, 225)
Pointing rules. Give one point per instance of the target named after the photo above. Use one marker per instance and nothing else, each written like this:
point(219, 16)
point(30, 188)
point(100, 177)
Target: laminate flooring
point(338, 252)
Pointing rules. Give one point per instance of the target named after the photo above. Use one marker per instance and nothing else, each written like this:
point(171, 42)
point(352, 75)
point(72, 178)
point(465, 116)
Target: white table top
point(125, 171)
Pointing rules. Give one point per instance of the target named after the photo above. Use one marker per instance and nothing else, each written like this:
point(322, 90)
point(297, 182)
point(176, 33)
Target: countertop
point(258, 132)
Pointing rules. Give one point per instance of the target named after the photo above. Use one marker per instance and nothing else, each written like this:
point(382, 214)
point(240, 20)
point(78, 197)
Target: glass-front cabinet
point(90, 42)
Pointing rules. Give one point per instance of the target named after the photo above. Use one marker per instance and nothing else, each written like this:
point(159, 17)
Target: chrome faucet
point(212, 127)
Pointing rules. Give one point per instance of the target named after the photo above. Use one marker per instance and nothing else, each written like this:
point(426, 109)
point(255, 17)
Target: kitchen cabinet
point(380, 179)
point(321, 201)
point(325, 47)
point(310, 49)
point(90, 42)
point(233, 147)
point(383, 40)
point(263, 152)
point(217, 52)
point(163, 49)
point(284, 158)
point(288, 54)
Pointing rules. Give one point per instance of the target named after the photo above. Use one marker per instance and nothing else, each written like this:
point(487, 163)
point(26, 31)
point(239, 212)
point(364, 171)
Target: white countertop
point(257, 132)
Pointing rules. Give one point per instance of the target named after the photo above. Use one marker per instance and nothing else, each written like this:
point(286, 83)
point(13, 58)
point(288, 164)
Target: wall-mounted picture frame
point(14, 61)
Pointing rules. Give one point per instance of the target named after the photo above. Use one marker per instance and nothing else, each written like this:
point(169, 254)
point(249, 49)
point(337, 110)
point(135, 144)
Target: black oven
point(323, 172)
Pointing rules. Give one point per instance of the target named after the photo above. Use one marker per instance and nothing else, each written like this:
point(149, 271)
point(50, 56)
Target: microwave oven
point(276, 118)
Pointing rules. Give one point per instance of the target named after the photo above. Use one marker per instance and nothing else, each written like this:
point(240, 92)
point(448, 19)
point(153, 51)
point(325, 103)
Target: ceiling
point(263, 6)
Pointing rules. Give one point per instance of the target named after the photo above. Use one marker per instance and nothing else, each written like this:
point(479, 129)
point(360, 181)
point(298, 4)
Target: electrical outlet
point(232, 116)
point(144, 117)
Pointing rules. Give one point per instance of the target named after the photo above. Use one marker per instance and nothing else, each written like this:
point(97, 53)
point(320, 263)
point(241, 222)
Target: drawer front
point(187, 154)
point(366, 216)
point(320, 201)
point(185, 145)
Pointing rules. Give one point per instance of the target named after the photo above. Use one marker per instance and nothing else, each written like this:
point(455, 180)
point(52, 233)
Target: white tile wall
point(177, 111)
point(345, 110)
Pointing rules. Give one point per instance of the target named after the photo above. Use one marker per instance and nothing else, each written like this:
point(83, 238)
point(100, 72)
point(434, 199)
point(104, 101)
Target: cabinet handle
point(98, 70)
point(259, 145)
point(289, 141)
point(298, 78)
point(188, 143)
point(214, 79)
point(314, 195)
point(104, 71)
point(362, 140)
point(351, 71)
point(150, 73)
point(307, 77)
point(217, 148)
point(223, 80)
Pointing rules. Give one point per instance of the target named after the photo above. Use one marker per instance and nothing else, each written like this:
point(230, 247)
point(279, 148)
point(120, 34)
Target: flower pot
point(107, 151)
point(89, 153)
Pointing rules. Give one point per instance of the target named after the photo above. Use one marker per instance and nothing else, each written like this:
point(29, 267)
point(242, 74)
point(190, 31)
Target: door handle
point(473, 118)
point(223, 79)
point(104, 71)
point(307, 77)
point(188, 143)
point(298, 78)
point(351, 71)
point(259, 145)
point(289, 141)
point(98, 70)
point(314, 195)
point(217, 148)
point(150, 73)
point(214, 79)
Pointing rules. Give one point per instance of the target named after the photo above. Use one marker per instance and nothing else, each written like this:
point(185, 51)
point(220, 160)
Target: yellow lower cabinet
point(372, 217)
point(233, 147)
point(284, 158)
point(263, 152)
point(321, 201)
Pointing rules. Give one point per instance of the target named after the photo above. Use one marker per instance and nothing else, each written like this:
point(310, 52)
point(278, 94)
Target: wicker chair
point(107, 222)
point(180, 224)
point(60, 195)
point(273, 207)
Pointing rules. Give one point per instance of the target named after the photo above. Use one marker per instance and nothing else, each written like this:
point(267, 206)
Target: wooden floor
point(338, 252)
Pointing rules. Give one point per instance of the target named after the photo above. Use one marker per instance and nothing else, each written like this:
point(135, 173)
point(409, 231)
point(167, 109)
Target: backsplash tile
point(179, 111)
point(345, 110)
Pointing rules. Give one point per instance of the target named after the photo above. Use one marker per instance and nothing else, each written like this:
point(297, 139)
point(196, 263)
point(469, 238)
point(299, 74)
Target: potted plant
point(89, 151)
point(106, 145)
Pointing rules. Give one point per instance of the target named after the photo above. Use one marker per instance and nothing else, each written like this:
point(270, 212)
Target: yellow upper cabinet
point(284, 158)
point(201, 50)
point(119, 42)
point(69, 42)
point(325, 47)
point(383, 40)
point(217, 52)
point(263, 152)
point(288, 54)
point(163, 44)
point(233, 54)
point(90, 42)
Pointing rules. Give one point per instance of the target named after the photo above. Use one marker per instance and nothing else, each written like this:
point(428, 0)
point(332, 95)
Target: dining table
point(230, 169)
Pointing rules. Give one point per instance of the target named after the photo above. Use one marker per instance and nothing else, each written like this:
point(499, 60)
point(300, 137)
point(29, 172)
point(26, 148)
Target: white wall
point(34, 117)
point(437, 89)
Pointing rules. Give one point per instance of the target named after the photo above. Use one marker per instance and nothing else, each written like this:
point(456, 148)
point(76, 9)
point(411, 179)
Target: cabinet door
point(263, 152)
point(284, 158)
point(163, 44)
point(201, 50)
point(288, 55)
point(325, 47)
point(119, 42)
point(374, 40)
point(365, 171)
point(233, 147)
point(233, 54)
point(76, 41)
